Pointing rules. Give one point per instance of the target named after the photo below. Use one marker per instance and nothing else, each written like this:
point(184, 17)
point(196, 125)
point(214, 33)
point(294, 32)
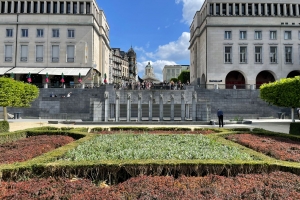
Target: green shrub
point(169, 129)
point(295, 129)
point(240, 129)
point(129, 128)
point(48, 128)
point(81, 129)
point(4, 126)
point(96, 129)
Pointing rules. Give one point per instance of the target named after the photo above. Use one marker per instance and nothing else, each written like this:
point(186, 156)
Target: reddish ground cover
point(277, 147)
point(277, 185)
point(27, 148)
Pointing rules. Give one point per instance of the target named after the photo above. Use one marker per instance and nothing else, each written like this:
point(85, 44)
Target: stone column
point(297, 10)
point(227, 9)
point(272, 9)
point(259, 9)
point(291, 10)
point(182, 106)
point(284, 10)
point(208, 9)
point(65, 7)
point(117, 106)
point(71, 5)
point(221, 9)
point(51, 9)
point(139, 107)
point(266, 9)
point(172, 107)
point(128, 107)
point(5, 6)
point(78, 7)
point(97, 111)
point(45, 6)
point(58, 7)
point(240, 9)
point(106, 106)
point(246, 9)
point(25, 6)
point(12, 7)
point(150, 106)
point(161, 107)
point(194, 106)
point(253, 9)
point(233, 9)
point(19, 6)
point(215, 9)
point(39, 7)
point(279, 10)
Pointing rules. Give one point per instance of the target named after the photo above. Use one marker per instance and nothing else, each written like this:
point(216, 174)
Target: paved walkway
point(276, 125)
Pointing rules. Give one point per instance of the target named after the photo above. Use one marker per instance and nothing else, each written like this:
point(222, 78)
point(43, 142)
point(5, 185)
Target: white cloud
point(190, 7)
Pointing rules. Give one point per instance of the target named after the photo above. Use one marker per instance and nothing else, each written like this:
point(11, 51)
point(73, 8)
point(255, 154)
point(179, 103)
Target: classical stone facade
point(54, 37)
point(173, 71)
point(242, 44)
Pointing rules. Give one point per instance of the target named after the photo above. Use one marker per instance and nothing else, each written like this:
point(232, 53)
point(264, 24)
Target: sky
point(157, 30)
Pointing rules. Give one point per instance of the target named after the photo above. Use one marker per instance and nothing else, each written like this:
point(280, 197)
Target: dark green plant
point(4, 126)
point(184, 76)
point(295, 129)
point(175, 80)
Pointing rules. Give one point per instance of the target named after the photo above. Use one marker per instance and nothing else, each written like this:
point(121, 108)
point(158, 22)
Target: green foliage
point(16, 93)
point(175, 80)
point(4, 126)
point(295, 129)
point(184, 76)
point(240, 129)
point(283, 93)
point(96, 129)
point(135, 128)
point(154, 147)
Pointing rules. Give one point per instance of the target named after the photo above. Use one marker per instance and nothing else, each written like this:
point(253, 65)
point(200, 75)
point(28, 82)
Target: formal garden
point(149, 163)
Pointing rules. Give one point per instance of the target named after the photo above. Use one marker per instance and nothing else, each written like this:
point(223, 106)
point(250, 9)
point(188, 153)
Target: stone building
point(241, 43)
point(149, 74)
point(123, 66)
point(173, 71)
point(54, 39)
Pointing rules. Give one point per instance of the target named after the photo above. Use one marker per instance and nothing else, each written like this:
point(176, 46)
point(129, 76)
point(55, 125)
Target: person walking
point(220, 117)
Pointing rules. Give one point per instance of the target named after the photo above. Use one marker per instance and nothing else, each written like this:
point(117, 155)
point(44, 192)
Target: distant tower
point(132, 64)
point(149, 74)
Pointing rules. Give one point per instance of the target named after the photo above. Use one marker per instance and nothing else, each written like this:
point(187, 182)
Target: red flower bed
point(276, 185)
point(27, 148)
point(277, 147)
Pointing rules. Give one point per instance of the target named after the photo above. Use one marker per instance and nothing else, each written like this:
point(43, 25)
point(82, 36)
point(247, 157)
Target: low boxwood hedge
point(295, 129)
point(4, 126)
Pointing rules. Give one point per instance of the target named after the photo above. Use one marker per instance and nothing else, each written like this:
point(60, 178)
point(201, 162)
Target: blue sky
point(158, 30)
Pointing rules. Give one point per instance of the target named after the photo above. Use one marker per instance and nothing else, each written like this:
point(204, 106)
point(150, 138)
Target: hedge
point(4, 126)
point(295, 129)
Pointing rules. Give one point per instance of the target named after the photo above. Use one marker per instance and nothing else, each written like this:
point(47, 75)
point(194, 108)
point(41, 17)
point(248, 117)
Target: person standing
point(220, 117)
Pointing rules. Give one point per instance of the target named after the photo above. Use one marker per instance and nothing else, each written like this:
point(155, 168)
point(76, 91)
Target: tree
point(16, 94)
point(175, 80)
point(283, 93)
point(184, 76)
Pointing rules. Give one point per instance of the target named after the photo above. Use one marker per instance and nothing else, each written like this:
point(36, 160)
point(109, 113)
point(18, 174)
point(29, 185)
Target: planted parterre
point(135, 164)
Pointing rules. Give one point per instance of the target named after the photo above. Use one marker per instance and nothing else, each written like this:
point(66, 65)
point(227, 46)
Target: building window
point(55, 33)
point(8, 53)
point(39, 55)
point(288, 35)
point(74, 8)
point(70, 53)
point(55, 53)
point(24, 32)
point(39, 32)
point(71, 33)
point(24, 53)
point(227, 35)
point(258, 54)
point(228, 54)
point(243, 35)
point(273, 35)
point(243, 54)
point(68, 7)
point(9, 32)
point(288, 55)
point(273, 54)
point(257, 35)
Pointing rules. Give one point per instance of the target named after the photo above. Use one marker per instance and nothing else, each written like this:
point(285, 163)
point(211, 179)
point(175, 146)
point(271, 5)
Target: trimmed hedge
point(4, 126)
point(295, 129)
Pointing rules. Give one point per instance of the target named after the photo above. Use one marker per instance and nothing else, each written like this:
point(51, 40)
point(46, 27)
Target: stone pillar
point(266, 9)
point(233, 9)
point(246, 9)
point(240, 9)
point(182, 106)
point(78, 7)
point(12, 7)
point(208, 9)
point(71, 5)
point(297, 10)
point(194, 106)
point(279, 10)
point(128, 107)
point(39, 7)
point(161, 107)
point(284, 10)
point(291, 10)
point(51, 7)
point(84, 8)
point(65, 7)
point(172, 107)
point(25, 6)
point(253, 9)
point(150, 106)
point(117, 106)
point(106, 106)
point(221, 9)
point(45, 6)
point(5, 7)
point(259, 9)
point(97, 111)
point(272, 9)
point(227, 9)
point(139, 107)
point(215, 9)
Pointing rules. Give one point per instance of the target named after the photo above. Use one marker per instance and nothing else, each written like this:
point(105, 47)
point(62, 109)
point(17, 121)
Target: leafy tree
point(175, 80)
point(283, 93)
point(184, 76)
point(16, 94)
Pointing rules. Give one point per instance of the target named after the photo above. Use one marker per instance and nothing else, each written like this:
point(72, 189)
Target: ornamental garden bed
point(135, 164)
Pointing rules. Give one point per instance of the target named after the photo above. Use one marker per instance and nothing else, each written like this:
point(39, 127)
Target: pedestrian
point(220, 117)
point(298, 113)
